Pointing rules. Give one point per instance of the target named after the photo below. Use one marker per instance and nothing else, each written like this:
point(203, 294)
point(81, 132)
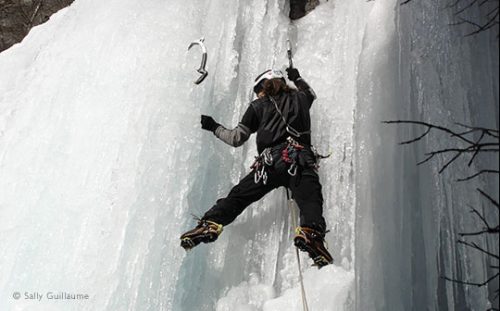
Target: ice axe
point(201, 70)
point(289, 53)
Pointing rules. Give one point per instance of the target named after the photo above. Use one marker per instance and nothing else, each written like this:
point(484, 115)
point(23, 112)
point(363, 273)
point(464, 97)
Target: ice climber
point(280, 117)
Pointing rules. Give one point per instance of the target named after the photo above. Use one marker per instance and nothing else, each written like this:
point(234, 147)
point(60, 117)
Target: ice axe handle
point(289, 52)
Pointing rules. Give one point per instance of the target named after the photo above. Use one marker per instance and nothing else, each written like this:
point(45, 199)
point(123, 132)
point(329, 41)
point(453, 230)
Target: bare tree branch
point(487, 141)
point(430, 126)
point(478, 174)
point(473, 283)
point(475, 246)
point(468, 6)
point(477, 140)
point(489, 198)
point(487, 229)
point(486, 22)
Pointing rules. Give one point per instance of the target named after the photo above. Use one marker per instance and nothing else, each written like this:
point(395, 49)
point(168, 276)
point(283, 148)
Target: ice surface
point(102, 160)
point(415, 66)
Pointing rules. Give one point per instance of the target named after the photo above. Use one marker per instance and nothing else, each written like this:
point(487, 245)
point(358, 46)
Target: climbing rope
point(294, 224)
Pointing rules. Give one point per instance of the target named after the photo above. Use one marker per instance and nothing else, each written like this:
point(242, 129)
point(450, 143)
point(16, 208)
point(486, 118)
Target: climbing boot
point(297, 9)
point(311, 241)
point(206, 231)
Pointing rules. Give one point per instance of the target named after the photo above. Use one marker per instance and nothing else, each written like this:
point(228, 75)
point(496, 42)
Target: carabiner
point(268, 157)
point(264, 178)
point(263, 174)
point(256, 177)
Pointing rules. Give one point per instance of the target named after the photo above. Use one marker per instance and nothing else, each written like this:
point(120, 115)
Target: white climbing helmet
point(267, 75)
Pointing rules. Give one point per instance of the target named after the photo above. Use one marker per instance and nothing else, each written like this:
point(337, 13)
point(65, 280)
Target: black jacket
point(262, 117)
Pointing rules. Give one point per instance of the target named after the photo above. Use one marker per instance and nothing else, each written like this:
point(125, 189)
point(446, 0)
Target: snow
point(102, 159)
point(332, 293)
point(322, 293)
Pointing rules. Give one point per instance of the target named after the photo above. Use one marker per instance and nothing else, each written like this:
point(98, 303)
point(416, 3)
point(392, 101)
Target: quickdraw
point(259, 166)
point(290, 155)
point(201, 70)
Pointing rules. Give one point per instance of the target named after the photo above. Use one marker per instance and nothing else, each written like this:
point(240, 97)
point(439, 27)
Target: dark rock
point(17, 17)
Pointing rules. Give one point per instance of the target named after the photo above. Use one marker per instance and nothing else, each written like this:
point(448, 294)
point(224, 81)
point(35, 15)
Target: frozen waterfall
point(102, 160)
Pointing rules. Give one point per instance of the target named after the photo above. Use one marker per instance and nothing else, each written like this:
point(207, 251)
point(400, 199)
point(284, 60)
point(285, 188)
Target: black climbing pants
point(305, 188)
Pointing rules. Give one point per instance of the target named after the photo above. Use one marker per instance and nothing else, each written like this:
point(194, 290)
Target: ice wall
point(103, 161)
point(408, 217)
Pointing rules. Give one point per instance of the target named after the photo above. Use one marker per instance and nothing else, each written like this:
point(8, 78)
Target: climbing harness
point(288, 127)
point(290, 202)
point(290, 152)
point(201, 70)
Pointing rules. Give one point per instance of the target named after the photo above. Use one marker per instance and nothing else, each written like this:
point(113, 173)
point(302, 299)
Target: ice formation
point(102, 160)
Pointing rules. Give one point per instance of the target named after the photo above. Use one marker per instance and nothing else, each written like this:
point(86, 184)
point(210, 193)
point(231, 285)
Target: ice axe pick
point(201, 70)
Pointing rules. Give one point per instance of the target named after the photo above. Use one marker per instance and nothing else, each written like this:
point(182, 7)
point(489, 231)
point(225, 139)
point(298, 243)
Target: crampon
point(311, 241)
point(206, 231)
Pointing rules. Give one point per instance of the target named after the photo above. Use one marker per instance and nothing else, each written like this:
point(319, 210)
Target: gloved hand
point(208, 123)
point(293, 74)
